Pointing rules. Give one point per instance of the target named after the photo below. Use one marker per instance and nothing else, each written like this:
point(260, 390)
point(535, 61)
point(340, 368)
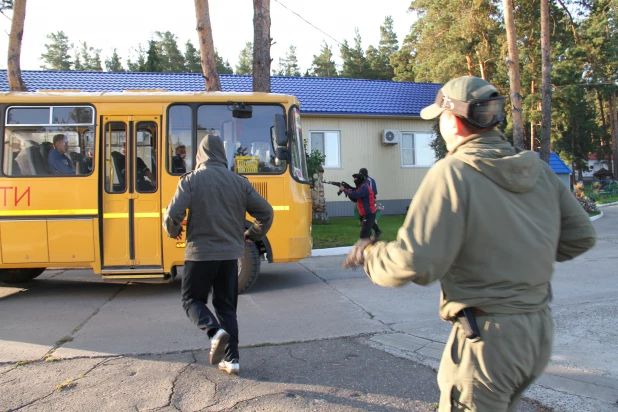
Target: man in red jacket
point(365, 201)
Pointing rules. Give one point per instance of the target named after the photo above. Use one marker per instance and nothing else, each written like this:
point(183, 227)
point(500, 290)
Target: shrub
point(588, 204)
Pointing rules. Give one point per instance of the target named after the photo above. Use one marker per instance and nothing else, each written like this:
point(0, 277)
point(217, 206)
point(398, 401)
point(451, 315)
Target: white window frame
point(311, 132)
point(413, 133)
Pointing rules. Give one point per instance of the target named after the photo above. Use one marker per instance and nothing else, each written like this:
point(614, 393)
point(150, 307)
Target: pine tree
point(153, 60)
point(245, 60)
point(140, 64)
point(288, 65)
point(355, 63)
point(170, 57)
point(113, 64)
point(192, 58)
point(88, 58)
point(379, 59)
point(57, 56)
point(323, 64)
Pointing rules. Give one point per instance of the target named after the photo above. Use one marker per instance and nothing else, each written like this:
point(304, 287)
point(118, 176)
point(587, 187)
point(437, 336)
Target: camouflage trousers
point(492, 374)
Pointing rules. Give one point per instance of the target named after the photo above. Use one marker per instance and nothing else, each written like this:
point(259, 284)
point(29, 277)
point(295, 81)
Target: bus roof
point(145, 96)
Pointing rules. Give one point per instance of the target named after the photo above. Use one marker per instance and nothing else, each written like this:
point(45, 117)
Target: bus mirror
point(242, 111)
point(281, 131)
point(282, 153)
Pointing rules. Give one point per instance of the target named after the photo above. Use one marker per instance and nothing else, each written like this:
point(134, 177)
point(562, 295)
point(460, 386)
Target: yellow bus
point(86, 178)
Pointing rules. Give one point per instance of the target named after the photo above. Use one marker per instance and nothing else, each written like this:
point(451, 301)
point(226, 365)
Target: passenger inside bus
point(58, 163)
point(178, 161)
point(142, 171)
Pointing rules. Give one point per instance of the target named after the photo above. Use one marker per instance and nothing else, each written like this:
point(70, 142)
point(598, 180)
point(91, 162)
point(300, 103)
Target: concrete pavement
point(314, 337)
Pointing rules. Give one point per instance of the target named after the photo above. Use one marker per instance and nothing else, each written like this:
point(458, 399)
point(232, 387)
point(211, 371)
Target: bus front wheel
point(19, 275)
point(248, 267)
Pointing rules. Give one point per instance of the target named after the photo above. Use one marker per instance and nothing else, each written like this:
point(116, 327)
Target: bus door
point(131, 209)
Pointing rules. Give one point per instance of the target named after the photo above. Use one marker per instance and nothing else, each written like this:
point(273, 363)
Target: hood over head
point(211, 152)
point(491, 154)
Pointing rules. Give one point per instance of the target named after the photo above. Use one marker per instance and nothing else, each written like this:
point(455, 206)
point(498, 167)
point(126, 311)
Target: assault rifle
point(344, 184)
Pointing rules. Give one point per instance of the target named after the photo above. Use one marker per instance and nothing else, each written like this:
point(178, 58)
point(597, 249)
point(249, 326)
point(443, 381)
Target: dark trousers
point(375, 226)
point(222, 276)
point(367, 223)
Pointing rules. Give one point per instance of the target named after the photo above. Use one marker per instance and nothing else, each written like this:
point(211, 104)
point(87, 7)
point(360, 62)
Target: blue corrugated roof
point(316, 95)
point(558, 165)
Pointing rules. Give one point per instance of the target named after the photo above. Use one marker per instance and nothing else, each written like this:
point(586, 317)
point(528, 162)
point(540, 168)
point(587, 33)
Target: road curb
point(607, 204)
point(335, 251)
point(597, 217)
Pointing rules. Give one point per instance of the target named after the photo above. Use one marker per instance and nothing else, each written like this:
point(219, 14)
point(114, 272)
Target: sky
point(125, 24)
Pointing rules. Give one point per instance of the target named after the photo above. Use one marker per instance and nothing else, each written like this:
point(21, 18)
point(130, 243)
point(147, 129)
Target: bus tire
point(19, 275)
point(248, 267)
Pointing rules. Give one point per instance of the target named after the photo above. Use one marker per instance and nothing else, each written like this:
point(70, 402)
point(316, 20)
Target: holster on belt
point(467, 319)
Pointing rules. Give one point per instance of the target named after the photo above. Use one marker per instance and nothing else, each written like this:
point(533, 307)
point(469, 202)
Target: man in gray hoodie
point(218, 201)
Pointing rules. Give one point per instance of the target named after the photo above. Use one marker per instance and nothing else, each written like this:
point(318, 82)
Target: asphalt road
point(313, 337)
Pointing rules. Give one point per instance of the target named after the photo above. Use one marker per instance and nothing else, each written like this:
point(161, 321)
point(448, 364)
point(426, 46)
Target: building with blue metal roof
point(356, 123)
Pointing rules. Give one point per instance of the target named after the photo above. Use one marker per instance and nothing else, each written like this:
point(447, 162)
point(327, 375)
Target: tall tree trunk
point(512, 63)
point(261, 46)
point(207, 47)
point(546, 85)
point(470, 64)
point(613, 116)
point(610, 165)
point(16, 83)
point(532, 125)
point(481, 65)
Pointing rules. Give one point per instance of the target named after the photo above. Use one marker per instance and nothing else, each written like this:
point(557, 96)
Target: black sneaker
point(378, 234)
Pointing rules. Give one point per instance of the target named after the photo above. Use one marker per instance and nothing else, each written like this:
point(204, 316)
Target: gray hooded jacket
point(218, 201)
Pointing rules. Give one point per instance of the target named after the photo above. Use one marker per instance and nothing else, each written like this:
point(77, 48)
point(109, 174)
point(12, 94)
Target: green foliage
point(88, 58)
point(315, 160)
point(170, 59)
point(223, 67)
point(154, 63)
point(57, 55)
point(192, 59)
point(114, 64)
point(438, 144)
point(140, 64)
point(288, 66)
point(355, 64)
point(245, 60)
point(323, 64)
point(380, 59)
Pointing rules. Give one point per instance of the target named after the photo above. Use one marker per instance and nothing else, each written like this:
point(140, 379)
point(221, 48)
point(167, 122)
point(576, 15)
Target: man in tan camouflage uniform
point(488, 222)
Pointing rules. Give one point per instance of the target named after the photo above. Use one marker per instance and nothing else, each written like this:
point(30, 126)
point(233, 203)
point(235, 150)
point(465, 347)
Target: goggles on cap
point(481, 113)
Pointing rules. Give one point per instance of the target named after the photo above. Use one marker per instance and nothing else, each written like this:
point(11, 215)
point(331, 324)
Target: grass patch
point(50, 358)
point(68, 384)
point(594, 213)
point(345, 231)
point(22, 362)
point(604, 200)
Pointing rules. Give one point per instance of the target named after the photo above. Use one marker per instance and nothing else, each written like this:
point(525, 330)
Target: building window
point(415, 149)
point(329, 144)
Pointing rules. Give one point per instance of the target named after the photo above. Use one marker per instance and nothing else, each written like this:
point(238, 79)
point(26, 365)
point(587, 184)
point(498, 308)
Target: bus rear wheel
point(248, 267)
point(19, 275)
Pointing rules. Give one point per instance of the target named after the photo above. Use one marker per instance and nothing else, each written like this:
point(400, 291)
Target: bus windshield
point(248, 142)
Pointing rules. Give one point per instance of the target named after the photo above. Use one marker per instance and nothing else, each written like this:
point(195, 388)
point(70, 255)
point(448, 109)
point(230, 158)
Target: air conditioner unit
point(391, 136)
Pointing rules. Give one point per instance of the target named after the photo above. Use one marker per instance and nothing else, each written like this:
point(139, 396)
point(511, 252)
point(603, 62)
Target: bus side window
point(180, 153)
